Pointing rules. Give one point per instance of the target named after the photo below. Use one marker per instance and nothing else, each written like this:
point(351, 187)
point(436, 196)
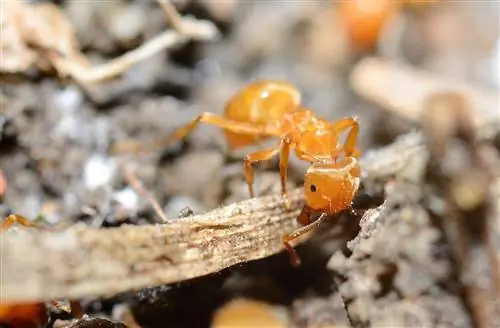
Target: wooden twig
point(83, 261)
point(198, 30)
point(402, 90)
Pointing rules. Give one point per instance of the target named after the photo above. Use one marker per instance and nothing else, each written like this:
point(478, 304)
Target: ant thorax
point(322, 145)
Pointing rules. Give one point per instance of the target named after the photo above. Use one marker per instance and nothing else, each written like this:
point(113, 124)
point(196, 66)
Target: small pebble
point(128, 198)
point(98, 171)
point(68, 100)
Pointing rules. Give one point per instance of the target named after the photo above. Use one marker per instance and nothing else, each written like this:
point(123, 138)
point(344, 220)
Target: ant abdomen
point(264, 102)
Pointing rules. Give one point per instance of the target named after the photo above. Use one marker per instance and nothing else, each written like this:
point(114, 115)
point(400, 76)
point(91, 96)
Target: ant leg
point(294, 257)
point(13, 218)
point(261, 155)
point(181, 133)
point(285, 154)
point(305, 156)
point(352, 124)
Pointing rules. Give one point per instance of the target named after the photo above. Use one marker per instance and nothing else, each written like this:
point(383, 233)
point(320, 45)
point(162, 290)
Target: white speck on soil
point(128, 198)
point(98, 171)
point(68, 100)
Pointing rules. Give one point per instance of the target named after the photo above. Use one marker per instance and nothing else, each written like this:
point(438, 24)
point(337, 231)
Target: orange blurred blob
point(3, 184)
point(365, 19)
point(246, 313)
point(23, 315)
point(420, 3)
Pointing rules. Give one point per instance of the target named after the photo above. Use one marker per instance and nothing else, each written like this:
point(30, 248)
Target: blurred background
point(55, 135)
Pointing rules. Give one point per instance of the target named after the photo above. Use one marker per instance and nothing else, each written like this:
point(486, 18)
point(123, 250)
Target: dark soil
point(54, 143)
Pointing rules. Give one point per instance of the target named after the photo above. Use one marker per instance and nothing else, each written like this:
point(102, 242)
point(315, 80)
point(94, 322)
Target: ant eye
point(313, 188)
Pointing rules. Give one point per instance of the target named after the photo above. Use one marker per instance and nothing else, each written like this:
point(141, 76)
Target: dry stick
point(84, 261)
point(191, 29)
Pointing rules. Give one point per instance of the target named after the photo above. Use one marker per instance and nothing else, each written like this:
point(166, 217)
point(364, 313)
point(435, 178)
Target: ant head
point(331, 187)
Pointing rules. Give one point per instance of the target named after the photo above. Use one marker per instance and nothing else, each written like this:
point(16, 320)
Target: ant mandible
point(272, 108)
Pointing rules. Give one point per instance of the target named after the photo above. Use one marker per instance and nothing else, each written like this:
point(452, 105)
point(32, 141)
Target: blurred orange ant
point(36, 314)
point(272, 108)
point(23, 315)
point(21, 220)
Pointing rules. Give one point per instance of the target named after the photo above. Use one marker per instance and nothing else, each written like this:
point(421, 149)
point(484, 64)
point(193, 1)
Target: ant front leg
point(255, 157)
point(294, 257)
point(16, 218)
point(351, 140)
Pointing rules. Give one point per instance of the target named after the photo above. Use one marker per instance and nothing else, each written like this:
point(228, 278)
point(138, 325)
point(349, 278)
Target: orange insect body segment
point(23, 315)
point(365, 20)
point(312, 138)
point(262, 103)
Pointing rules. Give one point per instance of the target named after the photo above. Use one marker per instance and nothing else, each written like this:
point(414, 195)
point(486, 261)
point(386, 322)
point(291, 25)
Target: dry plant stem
point(136, 184)
point(172, 14)
point(402, 89)
point(121, 64)
point(168, 39)
point(84, 261)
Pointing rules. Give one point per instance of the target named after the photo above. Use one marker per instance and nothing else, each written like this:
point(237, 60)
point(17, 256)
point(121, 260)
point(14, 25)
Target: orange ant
point(24, 222)
point(36, 314)
point(23, 315)
point(16, 218)
point(272, 108)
